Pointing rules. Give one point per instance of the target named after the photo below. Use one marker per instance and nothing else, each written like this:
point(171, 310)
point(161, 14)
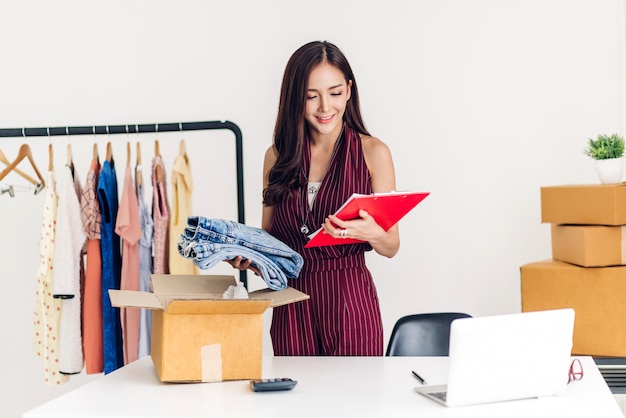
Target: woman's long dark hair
point(290, 129)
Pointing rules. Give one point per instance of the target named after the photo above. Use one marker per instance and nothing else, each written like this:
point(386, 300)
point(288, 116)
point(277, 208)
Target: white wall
point(481, 102)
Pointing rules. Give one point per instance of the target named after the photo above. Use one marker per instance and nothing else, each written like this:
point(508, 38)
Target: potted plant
point(608, 153)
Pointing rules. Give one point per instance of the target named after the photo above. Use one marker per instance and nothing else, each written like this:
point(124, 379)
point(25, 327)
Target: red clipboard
point(386, 208)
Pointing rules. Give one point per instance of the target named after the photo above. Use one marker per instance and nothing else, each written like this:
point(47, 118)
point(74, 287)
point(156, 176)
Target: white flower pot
point(610, 171)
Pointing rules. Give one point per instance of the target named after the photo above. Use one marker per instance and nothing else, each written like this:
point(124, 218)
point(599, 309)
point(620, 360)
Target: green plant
point(605, 147)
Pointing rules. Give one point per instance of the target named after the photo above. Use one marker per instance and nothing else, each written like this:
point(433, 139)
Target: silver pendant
point(304, 229)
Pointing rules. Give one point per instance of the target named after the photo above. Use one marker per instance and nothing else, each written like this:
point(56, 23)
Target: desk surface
point(327, 386)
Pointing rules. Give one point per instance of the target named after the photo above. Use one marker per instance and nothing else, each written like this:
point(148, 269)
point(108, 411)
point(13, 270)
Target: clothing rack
point(146, 128)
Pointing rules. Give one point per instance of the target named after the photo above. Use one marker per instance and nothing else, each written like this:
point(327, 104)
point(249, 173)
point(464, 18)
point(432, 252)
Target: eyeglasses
point(575, 371)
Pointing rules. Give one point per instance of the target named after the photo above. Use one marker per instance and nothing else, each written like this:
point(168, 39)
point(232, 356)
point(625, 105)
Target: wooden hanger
point(96, 156)
point(50, 158)
point(16, 170)
point(138, 168)
point(157, 153)
point(24, 152)
point(70, 160)
point(109, 156)
point(182, 150)
point(128, 154)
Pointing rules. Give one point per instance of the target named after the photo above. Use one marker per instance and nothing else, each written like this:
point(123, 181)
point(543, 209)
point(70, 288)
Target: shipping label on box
point(589, 245)
point(595, 293)
point(199, 337)
point(595, 204)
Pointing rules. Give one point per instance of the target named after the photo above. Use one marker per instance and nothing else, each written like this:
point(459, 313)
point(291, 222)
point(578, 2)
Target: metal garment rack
point(147, 128)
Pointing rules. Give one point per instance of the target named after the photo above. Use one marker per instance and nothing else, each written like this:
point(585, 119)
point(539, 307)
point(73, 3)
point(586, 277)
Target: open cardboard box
point(197, 336)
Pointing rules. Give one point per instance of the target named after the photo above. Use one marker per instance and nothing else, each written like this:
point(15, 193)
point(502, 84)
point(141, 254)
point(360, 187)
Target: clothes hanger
point(50, 153)
point(182, 151)
point(138, 169)
point(95, 154)
point(109, 156)
point(127, 154)
point(157, 153)
point(109, 152)
point(70, 160)
point(24, 152)
point(16, 170)
point(50, 158)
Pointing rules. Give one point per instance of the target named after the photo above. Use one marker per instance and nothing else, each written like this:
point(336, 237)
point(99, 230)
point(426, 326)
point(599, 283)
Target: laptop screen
point(507, 357)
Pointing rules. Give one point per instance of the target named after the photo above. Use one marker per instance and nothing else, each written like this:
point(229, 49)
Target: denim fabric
point(208, 241)
point(111, 267)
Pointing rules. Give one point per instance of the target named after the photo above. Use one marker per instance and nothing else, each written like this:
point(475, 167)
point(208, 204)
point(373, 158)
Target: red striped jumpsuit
point(342, 317)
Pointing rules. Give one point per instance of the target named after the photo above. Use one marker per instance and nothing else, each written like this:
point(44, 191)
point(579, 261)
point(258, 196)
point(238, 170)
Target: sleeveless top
point(342, 316)
point(347, 173)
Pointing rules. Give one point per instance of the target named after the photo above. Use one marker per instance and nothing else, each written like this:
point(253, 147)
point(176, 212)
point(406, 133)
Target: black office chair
point(422, 334)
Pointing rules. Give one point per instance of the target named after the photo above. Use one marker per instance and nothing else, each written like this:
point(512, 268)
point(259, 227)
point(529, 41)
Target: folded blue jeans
point(208, 241)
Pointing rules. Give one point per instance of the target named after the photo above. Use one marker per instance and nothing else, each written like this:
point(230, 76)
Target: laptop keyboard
point(439, 395)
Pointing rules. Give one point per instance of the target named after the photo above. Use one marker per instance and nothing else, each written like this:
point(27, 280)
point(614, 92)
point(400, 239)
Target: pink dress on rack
point(129, 230)
point(160, 218)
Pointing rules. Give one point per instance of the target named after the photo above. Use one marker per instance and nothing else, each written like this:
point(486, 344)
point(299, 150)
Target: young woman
point(321, 154)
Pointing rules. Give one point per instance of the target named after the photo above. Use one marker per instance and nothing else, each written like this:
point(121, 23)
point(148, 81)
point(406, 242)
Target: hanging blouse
point(182, 188)
point(160, 218)
point(92, 305)
point(129, 230)
point(48, 309)
point(66, 279)
point(145, 267)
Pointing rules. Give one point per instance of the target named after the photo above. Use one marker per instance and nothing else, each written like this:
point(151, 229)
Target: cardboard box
point(589, 245)
point(597, 294)
point(199, 337)
point(595, 204)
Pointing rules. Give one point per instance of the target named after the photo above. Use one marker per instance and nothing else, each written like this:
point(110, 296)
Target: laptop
point(506, 357)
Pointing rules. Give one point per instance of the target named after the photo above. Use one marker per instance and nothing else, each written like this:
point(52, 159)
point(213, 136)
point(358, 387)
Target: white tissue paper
point(236, 292)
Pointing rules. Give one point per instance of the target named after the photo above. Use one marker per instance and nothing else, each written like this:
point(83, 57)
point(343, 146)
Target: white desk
point(327, 387)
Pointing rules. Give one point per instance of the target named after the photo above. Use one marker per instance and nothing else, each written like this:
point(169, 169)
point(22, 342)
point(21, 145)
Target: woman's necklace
point(313, 188)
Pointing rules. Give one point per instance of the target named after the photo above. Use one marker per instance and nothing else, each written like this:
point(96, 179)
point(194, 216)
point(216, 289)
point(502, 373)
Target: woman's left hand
point(364, 228)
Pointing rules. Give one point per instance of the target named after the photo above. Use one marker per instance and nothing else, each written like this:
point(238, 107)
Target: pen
point(418, 377)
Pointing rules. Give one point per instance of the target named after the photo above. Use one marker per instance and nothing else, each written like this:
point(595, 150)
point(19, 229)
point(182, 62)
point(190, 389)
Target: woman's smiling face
point(328, 92)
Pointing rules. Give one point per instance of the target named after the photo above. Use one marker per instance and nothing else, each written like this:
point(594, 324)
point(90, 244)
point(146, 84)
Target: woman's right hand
point(243, 264)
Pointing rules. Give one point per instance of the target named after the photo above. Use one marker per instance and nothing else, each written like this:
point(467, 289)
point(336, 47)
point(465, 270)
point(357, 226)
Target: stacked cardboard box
point(587, 271)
